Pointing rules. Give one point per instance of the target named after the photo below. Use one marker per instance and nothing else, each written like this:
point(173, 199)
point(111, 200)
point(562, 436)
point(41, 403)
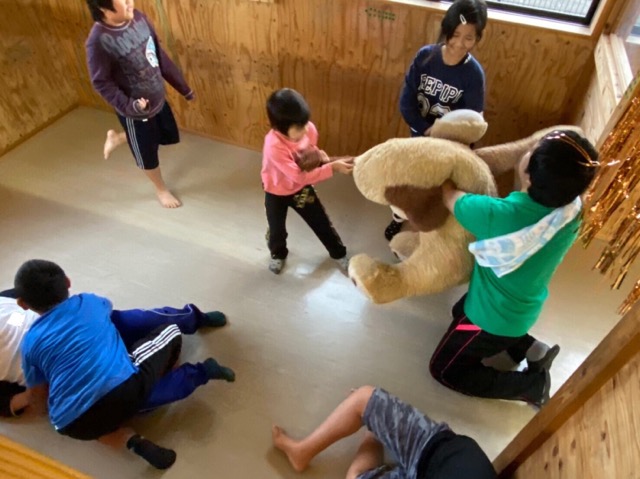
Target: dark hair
point(474, 13)
point(41, 284)
point(561, 168)
point(95, 8)
point(287, 108)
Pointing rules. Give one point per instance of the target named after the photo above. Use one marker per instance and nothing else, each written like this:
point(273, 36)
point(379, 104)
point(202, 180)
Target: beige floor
point(298, 342)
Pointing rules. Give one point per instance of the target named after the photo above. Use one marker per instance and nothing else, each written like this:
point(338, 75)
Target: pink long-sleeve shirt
point(280, 173)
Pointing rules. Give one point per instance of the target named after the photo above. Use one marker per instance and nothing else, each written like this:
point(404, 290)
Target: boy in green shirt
point(521, 240)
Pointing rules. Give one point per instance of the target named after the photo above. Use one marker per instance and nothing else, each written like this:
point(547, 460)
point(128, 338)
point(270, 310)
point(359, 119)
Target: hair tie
point(463, 20)
point(564, 138)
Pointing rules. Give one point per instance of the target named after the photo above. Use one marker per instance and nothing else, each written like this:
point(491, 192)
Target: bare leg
point(118, 439)
point(164, 195)
point(369, 456)
point(344, 421)
point(20, 401)
point(113, 141)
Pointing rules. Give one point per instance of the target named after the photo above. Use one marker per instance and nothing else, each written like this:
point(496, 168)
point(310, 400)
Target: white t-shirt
point(14, 324)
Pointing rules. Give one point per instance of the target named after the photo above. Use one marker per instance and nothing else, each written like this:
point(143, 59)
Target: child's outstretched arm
point(342, 166)
point(328, 159)
point(278, 157)
point(450, 194)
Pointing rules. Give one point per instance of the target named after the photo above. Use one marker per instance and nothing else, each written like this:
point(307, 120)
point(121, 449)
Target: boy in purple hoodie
point(128, 68)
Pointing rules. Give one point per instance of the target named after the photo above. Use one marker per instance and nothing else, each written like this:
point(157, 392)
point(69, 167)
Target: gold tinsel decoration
point(612, 202)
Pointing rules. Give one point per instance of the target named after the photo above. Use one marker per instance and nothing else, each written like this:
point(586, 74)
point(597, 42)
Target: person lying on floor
point(421, 447)
point(98, 367)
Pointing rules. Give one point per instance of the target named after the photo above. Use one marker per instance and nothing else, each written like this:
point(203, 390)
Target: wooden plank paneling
point(349, 64)
point(227, 50)
point(37, 84)
point(601, 440)
point(17, 461)
point(348, 57)
point(603, 93)
point(618, 350)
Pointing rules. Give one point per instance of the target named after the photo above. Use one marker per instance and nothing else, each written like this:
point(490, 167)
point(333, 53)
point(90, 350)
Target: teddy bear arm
point(502, 158)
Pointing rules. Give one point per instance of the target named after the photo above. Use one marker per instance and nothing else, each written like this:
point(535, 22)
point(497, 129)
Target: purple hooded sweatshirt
point(127, 63)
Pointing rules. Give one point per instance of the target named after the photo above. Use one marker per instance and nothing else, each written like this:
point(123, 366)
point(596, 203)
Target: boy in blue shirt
point(521, 241)
point(96, 377)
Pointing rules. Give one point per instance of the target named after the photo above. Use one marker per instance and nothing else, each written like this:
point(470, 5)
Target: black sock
point(218, 371)
point(157, 456)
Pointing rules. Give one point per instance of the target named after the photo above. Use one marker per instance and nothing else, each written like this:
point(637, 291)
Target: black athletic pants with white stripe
point(146, 135)
point(154, 384)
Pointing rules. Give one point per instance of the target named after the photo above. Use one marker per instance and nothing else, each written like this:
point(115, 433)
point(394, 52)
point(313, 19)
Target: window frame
point(545, 14)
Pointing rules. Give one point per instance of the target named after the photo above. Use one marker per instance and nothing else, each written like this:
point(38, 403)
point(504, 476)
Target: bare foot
point(290, 448)
point(113, 141)
point(167, 200)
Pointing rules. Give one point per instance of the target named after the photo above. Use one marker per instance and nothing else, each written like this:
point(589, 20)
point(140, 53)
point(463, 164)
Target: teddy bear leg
point(382, 283)
point(404, 244)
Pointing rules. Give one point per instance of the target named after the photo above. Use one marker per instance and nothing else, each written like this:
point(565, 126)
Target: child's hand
point(342, 166)
point(142, 104)
point(346, 159)
point(448, 186)
point(325, 157)
point(309, 159)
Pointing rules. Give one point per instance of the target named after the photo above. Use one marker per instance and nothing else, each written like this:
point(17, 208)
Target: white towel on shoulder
point(507, 253)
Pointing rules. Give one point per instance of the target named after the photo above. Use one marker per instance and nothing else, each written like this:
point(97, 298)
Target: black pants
point(457, 362)
point(307, 204)
point(7, 391)
point(145, 136)
point(154, 355)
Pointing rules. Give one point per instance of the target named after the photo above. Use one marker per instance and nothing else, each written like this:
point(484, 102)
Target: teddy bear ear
point(462, 126)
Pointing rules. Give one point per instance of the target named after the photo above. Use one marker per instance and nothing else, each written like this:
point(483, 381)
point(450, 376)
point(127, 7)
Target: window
point(576, 11)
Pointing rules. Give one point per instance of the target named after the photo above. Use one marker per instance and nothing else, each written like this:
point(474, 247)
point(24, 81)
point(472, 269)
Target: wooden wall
point(602, 440)
point(590, 428)
point(602, 91)
point(37, 83)
point(348, 57)
point(17, 461)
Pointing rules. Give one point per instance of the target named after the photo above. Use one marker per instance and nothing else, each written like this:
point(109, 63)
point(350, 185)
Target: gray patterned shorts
point(403, 430)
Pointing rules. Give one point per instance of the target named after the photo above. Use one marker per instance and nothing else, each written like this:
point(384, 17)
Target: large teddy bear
point(407, 174)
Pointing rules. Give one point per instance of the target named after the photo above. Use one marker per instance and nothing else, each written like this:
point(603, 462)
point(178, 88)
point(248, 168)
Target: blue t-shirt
point(432, 88)
point(77, 351)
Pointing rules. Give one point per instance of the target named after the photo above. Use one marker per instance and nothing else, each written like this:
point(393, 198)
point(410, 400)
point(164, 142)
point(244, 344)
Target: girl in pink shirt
point(286, 185)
